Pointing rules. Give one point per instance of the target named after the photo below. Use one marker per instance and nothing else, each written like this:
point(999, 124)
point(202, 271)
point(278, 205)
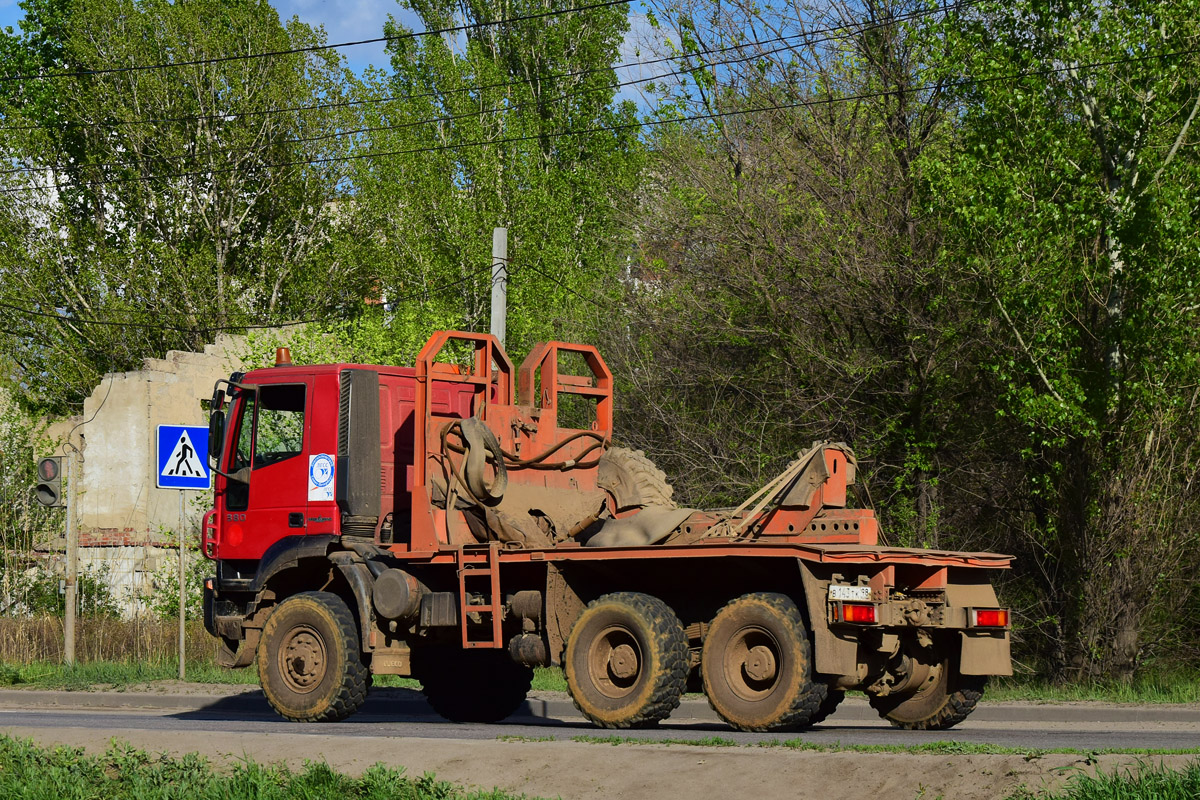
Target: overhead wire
point(620, 127)
point(848, 29)
point(75, 320)
point(310, 48)
point(465, 115)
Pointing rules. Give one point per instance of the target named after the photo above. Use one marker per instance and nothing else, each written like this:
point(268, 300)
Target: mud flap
point(833, 653)
point(240, 654)
point(985, 653)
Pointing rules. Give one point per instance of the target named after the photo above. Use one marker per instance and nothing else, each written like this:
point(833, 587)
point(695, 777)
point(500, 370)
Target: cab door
point(272, 439)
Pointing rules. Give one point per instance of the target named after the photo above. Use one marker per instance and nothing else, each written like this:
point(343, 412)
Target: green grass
point(921, 748)
point(30, 772)
point(112, 675)
point(708, 741)
point(1146, 782)
point(1148, 688)
point(87, 675)
point(1151, 688)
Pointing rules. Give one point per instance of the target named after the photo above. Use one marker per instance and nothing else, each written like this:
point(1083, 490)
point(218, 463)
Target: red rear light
point(858, 612)
point(989, 617)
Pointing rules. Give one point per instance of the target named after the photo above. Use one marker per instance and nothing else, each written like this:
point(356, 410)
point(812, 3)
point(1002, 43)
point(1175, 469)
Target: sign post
point(183, 464)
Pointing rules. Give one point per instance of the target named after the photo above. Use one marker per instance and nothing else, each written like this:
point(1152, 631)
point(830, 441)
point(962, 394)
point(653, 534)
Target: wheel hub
point(622, 662)
point(615, 662)
point(760, 663)
point(303, 659)
point(751, 663)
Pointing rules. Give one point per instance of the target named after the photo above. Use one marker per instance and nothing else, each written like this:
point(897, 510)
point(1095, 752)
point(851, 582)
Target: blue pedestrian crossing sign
point(183, 457)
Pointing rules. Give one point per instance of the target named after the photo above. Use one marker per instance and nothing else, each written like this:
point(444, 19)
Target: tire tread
point(671, 675)
point(355, 679)
point(807, 704)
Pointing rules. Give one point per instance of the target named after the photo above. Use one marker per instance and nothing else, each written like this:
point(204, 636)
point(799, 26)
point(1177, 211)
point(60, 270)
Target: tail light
point(859, 613)
point(989, 617)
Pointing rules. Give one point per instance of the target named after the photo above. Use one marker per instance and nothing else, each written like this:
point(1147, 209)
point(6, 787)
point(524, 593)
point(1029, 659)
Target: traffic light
point(49, 482)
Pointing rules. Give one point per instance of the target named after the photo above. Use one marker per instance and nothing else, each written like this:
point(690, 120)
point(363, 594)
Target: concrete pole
point(69, 595)
point(182, 588)
point(499, 283)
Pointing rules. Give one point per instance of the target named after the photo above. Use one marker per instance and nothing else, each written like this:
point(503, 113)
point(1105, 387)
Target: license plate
point(837, 592)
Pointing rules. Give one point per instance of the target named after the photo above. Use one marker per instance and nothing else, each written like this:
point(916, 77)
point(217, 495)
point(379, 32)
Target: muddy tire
point(627, 661)
point(471, 685)
point(309, 661)
point(633, 480)
point(942, 704)
point(757, 665)
point(833, 698)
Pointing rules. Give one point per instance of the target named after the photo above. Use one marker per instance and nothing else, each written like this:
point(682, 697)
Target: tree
point(1071, 193)
point(806, 299)
point(151, 205)
point(499, 125)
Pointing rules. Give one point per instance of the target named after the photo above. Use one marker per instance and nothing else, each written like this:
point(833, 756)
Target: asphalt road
point(399, 713)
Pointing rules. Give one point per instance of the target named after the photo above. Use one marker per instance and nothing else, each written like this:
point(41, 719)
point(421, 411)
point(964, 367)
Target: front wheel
point(627, 661)
point(946, 699)
point(757, 665)
point(309, 662)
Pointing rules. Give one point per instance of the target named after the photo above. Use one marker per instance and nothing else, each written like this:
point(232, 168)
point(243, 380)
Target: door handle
point(295, 520)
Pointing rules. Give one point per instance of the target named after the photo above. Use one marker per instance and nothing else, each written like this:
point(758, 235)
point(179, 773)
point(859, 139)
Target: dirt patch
point(579, 771)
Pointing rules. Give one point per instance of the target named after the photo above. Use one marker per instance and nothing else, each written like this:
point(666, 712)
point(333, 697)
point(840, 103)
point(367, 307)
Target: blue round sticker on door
point(320, 470)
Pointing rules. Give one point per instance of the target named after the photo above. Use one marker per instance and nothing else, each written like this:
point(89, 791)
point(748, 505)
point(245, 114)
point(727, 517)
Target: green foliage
point(498, 128)
point(23, 521)
point(1143, 782)
point(37, 590)
point(180, 197)
point(162, 596)
point(1069, 196)
point(124, 773)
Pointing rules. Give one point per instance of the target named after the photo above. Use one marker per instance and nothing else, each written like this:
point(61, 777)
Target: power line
point(469, 114)
point(565, 287)
point(312, 48)
point(29, 312)
point(850, 28)
point(627, 126)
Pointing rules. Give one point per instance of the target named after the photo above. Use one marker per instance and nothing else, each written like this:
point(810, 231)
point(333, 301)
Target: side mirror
point(216, 430)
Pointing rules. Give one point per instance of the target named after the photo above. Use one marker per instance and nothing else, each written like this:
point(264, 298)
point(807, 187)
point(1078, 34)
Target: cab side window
point(279, 433)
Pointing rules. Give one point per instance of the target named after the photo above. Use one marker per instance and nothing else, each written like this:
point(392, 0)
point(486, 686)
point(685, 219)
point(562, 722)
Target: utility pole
point(499, 283)
point(71, 583)
point(182, 589)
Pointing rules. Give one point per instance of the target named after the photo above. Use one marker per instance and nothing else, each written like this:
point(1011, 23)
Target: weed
point(125, 773)
point(1143, 782)
point(708, 741)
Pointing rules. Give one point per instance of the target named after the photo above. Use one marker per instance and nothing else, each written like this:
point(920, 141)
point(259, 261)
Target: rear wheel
point(833, 699)
point(471, 685)
point(627, 661)
point(945, 699)
point(309, 661)
point(757, 665)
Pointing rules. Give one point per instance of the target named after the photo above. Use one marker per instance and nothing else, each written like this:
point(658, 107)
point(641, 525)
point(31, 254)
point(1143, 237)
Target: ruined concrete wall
point(117, 501)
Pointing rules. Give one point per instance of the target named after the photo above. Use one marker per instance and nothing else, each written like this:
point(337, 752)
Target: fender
point(361, 581)
point(287, 553)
